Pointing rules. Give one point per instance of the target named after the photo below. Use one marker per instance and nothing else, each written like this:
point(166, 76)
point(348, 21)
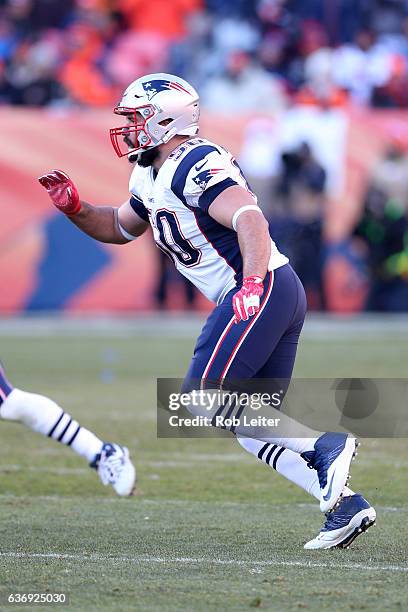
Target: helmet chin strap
point(133, 157)
point(144, 158)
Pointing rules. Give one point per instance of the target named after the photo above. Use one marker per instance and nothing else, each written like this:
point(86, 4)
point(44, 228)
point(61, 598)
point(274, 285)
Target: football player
point(42, 415)
point(205, 217)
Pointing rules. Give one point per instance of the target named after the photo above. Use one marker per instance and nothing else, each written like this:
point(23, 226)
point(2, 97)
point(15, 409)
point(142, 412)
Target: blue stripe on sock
point(262, 451)
point(269, 455)
point(275, 459)
point(5, 385)
point(56, 424)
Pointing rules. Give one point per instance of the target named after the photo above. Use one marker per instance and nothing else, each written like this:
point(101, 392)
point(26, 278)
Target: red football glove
point(62, 191)
point(246, 301)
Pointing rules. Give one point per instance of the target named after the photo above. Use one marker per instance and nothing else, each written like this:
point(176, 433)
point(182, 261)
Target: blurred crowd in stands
point(244, 56)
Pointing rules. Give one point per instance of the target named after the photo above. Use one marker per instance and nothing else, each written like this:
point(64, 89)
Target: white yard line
point(201, 561)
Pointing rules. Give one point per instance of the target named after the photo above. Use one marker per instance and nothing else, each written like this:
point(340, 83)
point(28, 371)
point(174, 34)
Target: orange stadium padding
point(46, 263)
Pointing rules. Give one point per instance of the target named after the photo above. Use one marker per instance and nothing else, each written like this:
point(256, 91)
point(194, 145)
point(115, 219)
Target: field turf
point(210, 528)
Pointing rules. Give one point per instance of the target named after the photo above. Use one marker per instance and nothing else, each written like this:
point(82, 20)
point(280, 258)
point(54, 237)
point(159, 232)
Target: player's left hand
point(246, 301)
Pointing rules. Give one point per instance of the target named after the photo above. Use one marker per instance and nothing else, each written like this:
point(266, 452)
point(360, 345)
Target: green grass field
point(210, 528)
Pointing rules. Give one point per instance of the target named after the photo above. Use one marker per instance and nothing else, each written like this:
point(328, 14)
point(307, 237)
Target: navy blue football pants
point(262, 347)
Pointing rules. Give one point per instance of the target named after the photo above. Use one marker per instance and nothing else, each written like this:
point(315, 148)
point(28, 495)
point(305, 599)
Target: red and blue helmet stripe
point(155, 86)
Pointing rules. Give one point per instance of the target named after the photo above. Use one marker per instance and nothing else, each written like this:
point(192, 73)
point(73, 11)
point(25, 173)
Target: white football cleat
point(331, 459)
point(353, 517)
point(114, 467)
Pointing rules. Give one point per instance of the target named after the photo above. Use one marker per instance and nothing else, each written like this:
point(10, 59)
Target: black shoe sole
point(365, 524)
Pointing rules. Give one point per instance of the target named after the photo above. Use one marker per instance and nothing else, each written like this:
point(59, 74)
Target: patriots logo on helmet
point(204, 177)
point(154, 87)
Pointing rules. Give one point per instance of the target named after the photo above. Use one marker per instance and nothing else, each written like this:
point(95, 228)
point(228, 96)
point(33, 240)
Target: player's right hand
point(62, 191)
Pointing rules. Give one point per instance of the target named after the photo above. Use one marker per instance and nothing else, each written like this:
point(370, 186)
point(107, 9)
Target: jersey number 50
point(173, 241)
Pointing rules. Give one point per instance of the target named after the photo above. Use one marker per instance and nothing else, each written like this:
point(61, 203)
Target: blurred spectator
point(81, 73)
point(259, 160)
point(382, 232)
point(390, 175)
point(361, 66)
point(243, 87)
point(8, 38)
point(39, 15)
point(320, 88)
point(134, 54)
point(233, 35)
point(393, 93)
point(387, 15)
point(301, 188)
point(279, 49)
point(160, 16)
point(190, 56)
point(313, 36)
point(231, 8)
point(29, 78)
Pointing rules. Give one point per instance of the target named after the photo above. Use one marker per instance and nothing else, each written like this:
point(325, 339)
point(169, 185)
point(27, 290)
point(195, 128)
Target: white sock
point(44, 416)
point(288, 463)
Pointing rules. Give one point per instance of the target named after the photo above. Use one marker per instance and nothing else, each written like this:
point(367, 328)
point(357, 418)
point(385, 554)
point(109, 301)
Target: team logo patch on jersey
point(154, 87)
point(204, 177)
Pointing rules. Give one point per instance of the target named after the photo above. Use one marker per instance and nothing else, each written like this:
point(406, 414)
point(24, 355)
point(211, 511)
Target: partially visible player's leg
point(285, 461)
point(354, 514)
point(280, 366)
point(42, 415)
point(226, 351)
point(329, 454)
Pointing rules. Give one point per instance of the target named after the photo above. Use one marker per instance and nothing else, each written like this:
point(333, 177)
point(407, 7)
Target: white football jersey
point(175, 200)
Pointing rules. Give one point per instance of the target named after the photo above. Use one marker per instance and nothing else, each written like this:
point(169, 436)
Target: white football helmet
point(158, 107)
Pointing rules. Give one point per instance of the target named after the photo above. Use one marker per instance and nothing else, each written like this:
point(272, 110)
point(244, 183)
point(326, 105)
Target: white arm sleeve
point(241, 210)
point(126, 234)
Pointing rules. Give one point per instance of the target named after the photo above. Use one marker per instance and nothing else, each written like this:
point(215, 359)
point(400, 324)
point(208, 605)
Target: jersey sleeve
point(139, 208)
point(203, 174)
